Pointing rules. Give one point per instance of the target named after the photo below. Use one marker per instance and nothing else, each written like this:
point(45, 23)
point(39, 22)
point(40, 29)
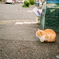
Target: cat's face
point(40, 33)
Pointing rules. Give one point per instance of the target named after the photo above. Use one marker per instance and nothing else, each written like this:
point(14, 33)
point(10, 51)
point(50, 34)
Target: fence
point(50, 16)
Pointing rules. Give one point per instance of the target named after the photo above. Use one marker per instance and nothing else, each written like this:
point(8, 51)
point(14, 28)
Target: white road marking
point(26, 23)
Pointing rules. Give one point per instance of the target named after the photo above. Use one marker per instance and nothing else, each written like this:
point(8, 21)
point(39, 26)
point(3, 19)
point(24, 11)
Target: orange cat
point(47, 35)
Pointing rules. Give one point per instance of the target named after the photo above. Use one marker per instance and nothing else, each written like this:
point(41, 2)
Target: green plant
point(26, 4)
point(32, 2)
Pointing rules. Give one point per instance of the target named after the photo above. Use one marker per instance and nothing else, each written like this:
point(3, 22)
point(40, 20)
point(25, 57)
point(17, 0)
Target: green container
point(50, 16)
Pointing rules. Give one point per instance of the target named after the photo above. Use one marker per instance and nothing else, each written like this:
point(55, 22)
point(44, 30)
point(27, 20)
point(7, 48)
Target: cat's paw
point(41, 41)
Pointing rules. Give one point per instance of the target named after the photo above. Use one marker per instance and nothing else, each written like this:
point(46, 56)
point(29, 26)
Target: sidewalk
point(20, 42)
